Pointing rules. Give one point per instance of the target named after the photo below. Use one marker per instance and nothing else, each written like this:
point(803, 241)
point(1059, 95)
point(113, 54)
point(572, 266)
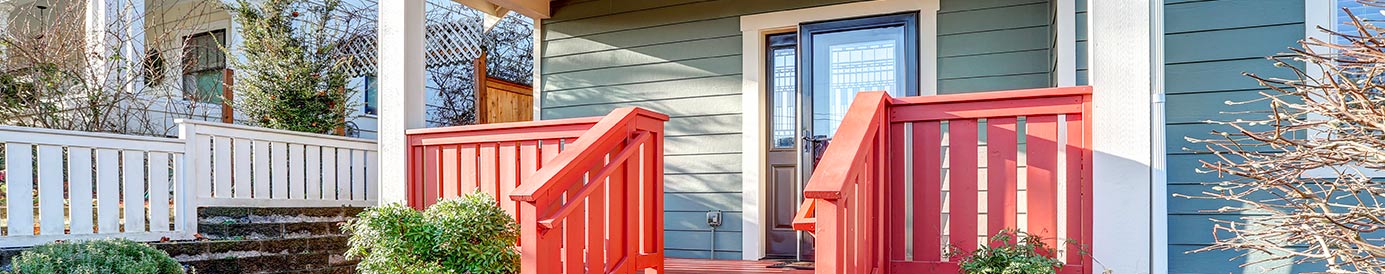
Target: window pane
point(204, 86)
point(1367, 14)
point(849, 62)
point(784, 92)
point(203, 51)
point(372, 88)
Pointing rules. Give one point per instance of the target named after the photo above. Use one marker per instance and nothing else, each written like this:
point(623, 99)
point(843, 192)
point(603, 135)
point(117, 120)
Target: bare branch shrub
point(55, 73)
point(1301, 178)
point(456, 100)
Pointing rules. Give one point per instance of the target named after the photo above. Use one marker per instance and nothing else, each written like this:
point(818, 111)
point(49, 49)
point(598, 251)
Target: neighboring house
point(184, 40)
point(735, 75)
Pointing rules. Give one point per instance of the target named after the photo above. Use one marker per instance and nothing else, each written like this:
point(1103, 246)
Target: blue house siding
point(683, 58)
point(1208, 45)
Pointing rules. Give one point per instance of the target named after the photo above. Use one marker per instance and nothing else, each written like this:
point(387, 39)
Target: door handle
point(816, 145)
point(813, 142)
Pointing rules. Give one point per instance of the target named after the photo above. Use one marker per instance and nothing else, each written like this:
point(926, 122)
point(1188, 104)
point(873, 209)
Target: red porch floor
point(690, 266)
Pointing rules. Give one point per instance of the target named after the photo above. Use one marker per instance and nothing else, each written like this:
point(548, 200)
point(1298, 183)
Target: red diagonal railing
point(604, 193)
point(879, 190)
point(587, 192)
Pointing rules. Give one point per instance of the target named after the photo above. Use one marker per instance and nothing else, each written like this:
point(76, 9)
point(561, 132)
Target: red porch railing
point(885, 172)
point(587, 192)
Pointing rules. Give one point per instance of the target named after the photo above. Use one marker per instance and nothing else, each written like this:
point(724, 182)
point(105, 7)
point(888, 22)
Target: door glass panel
point(849, 62)
point(783, 91)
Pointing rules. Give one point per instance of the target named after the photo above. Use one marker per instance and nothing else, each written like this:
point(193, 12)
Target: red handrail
point(856, 198)
point(569, 225)
point(587, 192)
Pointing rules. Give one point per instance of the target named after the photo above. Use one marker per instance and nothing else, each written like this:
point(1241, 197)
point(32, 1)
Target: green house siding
point(986, 45)
point(683, 58)
point(1207, 45)
point(1080, 22)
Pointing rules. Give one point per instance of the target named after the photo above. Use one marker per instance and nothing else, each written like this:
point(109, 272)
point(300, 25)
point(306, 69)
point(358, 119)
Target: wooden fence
point(500, 101)
point(903, 174)
point(68, 185)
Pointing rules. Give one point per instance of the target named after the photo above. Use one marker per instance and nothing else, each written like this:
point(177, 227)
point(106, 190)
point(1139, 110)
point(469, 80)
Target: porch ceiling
point(537, 9)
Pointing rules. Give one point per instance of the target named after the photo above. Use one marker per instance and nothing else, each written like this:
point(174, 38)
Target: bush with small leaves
point(471, 234)
point(118, 256)
point(1010, 252)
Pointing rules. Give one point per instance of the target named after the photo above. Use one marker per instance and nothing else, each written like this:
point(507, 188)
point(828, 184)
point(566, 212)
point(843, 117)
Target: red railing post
point(539, 246)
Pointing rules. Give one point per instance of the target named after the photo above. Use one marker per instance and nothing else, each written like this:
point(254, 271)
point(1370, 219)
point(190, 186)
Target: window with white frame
point(204, 65)
point(1342, 22)
point(371, 90)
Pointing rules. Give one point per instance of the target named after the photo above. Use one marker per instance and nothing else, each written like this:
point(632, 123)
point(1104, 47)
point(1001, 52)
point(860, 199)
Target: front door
point(831, 61)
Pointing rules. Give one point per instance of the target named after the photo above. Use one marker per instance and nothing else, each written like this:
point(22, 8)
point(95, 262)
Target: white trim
point(5, 9)
point(1065, 43)
point(1318, 13)
point(1159, 187)
point(753, 29)
point(537, 81)
point(1122, 51)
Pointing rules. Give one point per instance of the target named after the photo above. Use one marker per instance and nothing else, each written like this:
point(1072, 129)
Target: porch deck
point(691, 266)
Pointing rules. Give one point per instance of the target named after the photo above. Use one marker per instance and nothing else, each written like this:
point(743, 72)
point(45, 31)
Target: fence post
point(186, 187)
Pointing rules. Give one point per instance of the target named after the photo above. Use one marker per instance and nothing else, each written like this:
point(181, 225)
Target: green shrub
point(1010, 252)
point(471, 234)
point(294, 72)
point(95, 257)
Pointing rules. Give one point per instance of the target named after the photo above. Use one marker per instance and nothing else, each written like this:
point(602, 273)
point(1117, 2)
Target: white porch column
point(5, 9)
point(1124, 76)
point(101, 30)
point(401, 97)
point(132, 24)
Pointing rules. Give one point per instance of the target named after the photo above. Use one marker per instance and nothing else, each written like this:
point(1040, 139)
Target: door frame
point(754, 28)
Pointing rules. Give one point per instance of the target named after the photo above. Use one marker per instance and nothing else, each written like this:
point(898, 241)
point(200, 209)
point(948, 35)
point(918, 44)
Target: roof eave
point(537, 9)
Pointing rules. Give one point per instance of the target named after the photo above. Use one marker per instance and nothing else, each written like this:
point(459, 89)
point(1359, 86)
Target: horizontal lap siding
point(678, 57)
point(994, 45)
point(1207, 46)
point(1080, 23)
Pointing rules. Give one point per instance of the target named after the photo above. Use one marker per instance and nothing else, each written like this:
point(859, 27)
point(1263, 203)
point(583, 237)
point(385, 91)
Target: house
point(735, 76)
point(181, 43)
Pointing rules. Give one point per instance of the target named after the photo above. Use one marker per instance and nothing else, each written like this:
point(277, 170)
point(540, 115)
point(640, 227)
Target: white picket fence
point(67, 185)
point(245, 166)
